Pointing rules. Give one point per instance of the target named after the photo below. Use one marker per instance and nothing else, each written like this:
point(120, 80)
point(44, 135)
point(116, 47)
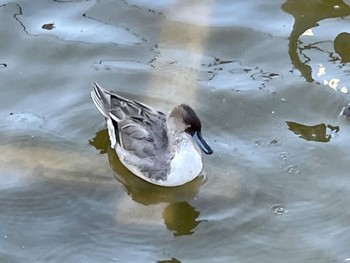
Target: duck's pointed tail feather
point(101, 98)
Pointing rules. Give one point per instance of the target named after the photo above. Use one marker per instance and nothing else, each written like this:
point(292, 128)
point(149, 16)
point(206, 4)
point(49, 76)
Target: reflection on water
point(307, 14)
point(179, 216)
point(317, 133)
point(172, 260)
point(342, 46)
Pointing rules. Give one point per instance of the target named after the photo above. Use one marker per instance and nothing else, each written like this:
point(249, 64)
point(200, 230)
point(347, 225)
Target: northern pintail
point(160, 149)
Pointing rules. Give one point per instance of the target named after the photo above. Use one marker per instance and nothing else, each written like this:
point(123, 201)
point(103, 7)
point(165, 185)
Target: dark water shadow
point(318, 133)
point(307, 14)
point(179, 216)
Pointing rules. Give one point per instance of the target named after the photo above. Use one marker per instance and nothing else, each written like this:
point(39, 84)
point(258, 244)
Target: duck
point(346, 110)
point(164, 150)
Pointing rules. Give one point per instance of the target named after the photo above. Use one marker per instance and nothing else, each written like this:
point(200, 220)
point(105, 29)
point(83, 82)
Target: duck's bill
point(202, 143)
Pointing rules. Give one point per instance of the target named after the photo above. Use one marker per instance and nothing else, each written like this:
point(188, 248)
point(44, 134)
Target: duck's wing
point(139, 129)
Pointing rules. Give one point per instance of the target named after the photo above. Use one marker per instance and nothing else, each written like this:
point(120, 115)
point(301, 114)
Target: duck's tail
point(101, 98)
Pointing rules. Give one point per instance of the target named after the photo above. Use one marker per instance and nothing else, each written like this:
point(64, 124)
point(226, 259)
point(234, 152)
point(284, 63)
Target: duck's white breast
point(186, 164)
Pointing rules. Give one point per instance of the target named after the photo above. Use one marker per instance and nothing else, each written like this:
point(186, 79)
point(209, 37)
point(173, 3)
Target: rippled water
point(267, 78)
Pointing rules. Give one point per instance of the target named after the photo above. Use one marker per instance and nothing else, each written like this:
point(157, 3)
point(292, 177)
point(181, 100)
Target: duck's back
point(139, 126)
point(142, 137)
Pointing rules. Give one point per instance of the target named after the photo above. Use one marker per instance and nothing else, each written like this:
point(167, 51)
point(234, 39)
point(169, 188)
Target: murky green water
point(268, 79)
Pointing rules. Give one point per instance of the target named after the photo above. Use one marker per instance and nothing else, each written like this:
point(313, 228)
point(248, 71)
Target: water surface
point(267, 78)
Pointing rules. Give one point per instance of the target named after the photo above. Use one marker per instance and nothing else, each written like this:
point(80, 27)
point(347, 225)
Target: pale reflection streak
point(190, 40)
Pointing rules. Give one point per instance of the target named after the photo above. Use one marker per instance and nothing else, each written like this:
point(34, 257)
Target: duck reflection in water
point(179, 216)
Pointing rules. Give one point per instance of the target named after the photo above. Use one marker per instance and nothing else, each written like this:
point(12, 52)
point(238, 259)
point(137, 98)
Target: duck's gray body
point(151, 145)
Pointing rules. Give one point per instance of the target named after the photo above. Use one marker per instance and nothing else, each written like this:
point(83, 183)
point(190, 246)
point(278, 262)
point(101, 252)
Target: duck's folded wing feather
point(137, 128)
point(143, 137)
point(123, 107)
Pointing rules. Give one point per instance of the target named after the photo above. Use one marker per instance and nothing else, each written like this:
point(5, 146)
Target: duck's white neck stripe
point(111, 132)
